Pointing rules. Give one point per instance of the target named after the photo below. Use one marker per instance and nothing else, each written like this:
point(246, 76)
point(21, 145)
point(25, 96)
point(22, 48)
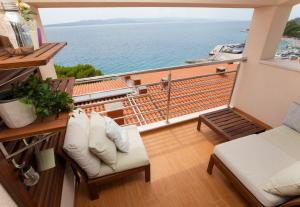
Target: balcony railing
point(170, 98)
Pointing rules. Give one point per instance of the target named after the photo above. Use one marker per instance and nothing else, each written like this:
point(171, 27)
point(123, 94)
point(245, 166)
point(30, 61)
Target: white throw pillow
point(99, 143)
point(117, 134)
point(286, 182)
point(292, 119)
point(76, 143)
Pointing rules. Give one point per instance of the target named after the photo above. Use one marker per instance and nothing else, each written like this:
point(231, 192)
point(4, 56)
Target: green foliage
point(78, 71)
point(292, 28)
point(25, 11)
point(38, 93)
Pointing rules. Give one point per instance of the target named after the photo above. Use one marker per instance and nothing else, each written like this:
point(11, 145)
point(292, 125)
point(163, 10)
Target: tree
point(77, 71)
point(292, 28)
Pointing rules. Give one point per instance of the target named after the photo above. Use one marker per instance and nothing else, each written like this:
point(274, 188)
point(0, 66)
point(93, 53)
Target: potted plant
point(31, 99)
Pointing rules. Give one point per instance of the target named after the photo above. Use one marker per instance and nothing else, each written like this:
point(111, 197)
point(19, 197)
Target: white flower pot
point(16, 114)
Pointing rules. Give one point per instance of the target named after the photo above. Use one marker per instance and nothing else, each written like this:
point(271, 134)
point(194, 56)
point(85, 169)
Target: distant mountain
point(292, 28)
point(126, 21)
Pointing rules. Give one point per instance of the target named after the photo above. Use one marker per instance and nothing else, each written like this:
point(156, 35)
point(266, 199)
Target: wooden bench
point(229, 124)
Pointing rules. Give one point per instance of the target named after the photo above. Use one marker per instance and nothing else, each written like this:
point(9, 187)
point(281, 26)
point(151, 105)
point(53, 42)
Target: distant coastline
point(132, 21)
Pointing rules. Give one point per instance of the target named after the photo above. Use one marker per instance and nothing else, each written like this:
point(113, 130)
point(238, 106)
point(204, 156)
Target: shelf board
point(39, 57)
point(50, 124)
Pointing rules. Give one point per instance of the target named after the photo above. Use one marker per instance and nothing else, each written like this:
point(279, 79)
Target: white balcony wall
point(46, 71)
point(265, 91)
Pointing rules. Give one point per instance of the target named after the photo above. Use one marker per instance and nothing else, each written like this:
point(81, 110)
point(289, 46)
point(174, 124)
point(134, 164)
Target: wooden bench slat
point(222, 116)
point(221, 120)
point(242, 130)
point(214, 114)
point(234, 127)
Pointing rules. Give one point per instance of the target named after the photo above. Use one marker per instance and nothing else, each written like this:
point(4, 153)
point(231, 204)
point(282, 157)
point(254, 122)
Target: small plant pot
point(16, 114)
point(45, 159)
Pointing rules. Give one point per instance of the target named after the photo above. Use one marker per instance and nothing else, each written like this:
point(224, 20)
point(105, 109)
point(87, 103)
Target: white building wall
point(266, 91)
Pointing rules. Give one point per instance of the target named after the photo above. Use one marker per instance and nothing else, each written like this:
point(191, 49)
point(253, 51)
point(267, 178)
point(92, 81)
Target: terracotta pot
point(16, 114)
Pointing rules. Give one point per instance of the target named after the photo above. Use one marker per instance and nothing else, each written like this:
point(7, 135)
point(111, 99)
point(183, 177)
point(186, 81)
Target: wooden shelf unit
point(39, 57)
point(47, 192)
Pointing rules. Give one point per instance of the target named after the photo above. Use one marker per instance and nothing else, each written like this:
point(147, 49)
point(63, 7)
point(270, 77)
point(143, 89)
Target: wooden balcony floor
point(179, 156)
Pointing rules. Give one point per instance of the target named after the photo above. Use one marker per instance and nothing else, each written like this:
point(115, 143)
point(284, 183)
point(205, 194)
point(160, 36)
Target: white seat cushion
point(286, 182)
point(76, 143)
point(292, 118)
point(284, 138)
point(99, 144)
point(136, 156)
point(253, 160)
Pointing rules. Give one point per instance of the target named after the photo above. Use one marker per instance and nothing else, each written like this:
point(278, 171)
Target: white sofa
point(255, 158)
point(88, 167)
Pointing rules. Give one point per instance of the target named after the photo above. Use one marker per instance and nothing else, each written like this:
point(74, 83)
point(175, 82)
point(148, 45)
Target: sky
point(54, 16)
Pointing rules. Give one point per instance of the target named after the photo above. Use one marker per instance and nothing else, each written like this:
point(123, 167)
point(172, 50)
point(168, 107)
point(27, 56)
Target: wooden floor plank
point(179, 156)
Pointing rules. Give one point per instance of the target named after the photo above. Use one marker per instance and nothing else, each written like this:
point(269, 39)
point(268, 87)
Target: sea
point(124, 47)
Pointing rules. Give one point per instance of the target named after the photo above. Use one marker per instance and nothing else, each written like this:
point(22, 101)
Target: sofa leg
point(93, 191)
point(199, 124)
point(210, 165)
point(147, 173)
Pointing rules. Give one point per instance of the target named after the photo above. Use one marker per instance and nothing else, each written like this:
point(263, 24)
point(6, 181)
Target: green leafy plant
point(25, 11)
point(77, 71)
point(292, 28)
point(46, 101)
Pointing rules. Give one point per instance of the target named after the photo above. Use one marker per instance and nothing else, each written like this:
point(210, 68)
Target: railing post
point(233, 86)
point(169, 95)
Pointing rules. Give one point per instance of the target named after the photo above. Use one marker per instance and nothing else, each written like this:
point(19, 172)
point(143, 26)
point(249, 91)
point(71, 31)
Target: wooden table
point(230, 124)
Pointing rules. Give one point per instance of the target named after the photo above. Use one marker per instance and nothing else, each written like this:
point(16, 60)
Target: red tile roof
point(86, 88)
point(196, 94)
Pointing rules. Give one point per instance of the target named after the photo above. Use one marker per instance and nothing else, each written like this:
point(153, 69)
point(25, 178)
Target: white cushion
point(286, 182)
point(292, 119)
point(136, 156)
point(76, 143)
point(251, 159)
point(284, 138)
point(99, 143)
point(117, 134)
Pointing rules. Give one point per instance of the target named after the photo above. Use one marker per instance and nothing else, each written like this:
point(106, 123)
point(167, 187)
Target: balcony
point(173, 97)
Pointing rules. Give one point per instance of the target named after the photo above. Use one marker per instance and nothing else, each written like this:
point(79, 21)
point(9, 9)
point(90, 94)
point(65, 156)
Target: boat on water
point(235, 51)
point(222, 52)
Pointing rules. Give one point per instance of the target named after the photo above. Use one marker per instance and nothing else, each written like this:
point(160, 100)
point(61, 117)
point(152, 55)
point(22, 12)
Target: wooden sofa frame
point(94, 183)
point(215, 161)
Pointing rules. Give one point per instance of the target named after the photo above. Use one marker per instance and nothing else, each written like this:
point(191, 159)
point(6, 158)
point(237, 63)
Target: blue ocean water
point(119, 48)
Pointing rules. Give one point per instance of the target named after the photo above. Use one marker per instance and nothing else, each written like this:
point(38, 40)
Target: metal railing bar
point(149, 102)
point(97, 78)
point(146, 112)
point(194, 101)
point(183, 111)
point(203, 76)
point(147, 94)
point(200, 92)
point(149, 119)
point(169, 95)
point(196, 85)
point(134, 111)
point(234, 83)
point(126, 107)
